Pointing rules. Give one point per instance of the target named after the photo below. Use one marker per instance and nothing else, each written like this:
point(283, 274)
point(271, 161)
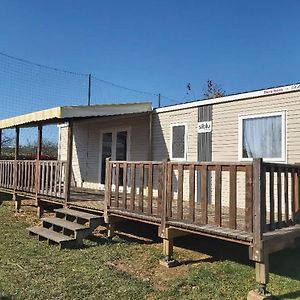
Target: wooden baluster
point(47, 177)
point(169, 190)
point(192, 193)
point(117, 183)
point(132, 187)
point(218, 195)
point(180, 193)
point(249, 199)
point(54, 192)
point(141, 189)
point(160, 188)
point(272, 206)
point(279, 196)
point(286, 195)
point(150, 189)
point(204, 195)
point(60, 174)
point(43, 177)
point(232, 200)
point(124, 196)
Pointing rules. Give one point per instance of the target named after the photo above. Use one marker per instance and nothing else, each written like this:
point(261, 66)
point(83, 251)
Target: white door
point(114, 144)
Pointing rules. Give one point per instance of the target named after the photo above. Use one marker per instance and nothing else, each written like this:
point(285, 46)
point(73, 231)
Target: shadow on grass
point(292, 295)
point(6, 297)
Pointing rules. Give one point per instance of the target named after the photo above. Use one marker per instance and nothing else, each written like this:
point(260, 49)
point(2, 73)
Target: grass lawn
point(127, 268)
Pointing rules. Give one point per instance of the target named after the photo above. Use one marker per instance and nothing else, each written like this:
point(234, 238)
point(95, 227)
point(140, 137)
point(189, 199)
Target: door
point(114, 144)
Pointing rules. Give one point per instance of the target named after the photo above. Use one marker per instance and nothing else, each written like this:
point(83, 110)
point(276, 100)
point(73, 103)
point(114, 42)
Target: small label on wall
point(204, 127)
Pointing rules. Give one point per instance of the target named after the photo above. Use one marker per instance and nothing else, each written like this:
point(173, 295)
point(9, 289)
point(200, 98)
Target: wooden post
point(69, 162)
point(260, 254)
point(15, 198)
point(168, 251)
point(37, 169)
point(259, 209)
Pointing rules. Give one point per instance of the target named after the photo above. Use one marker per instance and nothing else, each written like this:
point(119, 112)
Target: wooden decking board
point(214, 230)
point(139, 216)
point(50, 234)
point(292, 230)
point(64, 223)
point(77, 213)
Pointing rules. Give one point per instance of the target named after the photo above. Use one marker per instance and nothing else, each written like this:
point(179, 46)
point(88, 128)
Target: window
point(263, 136)
point(178, 142)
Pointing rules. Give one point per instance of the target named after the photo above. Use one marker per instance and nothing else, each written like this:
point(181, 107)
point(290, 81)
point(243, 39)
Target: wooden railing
point(280, 205)
point(135, 186)
point(52, 178)
point(191, 193)
point(7, 174)
point(25, 175)
point(47, 178)
point(210, 193)
point(253, 197)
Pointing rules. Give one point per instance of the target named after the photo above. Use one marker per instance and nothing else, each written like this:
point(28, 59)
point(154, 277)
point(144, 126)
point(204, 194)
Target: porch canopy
point(51, 179)
point(65, 113)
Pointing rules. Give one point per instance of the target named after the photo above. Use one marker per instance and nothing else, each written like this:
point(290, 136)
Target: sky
point(157, 46)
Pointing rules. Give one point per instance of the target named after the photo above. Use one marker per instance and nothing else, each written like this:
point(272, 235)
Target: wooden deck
point(179, 198)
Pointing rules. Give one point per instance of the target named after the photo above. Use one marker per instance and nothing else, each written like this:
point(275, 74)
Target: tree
point(213, 90)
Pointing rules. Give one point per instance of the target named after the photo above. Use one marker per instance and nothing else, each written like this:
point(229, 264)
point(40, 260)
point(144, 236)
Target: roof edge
point(235, 97)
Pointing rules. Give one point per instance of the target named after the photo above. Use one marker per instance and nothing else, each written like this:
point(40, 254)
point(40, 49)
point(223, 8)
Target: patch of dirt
point(143, 267)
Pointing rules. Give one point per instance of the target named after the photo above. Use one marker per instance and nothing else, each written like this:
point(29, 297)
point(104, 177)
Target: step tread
point(77, 213)
point(50, 234)
point(64, 223)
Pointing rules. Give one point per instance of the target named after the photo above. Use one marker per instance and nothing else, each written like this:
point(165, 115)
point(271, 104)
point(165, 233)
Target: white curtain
point(262, 137)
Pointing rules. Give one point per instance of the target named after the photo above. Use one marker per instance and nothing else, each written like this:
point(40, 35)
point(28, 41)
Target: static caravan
point(227, 168)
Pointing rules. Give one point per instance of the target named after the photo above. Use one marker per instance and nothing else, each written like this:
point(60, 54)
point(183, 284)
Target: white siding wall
point(226, 125)
point(86, 145)
point(162, 129)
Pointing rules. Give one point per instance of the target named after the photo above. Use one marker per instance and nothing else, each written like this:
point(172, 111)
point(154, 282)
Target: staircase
point(68, 228)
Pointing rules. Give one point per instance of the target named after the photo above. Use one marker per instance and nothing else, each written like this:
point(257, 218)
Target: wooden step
point(63, 240)
point(65, 224)
point(77, 213)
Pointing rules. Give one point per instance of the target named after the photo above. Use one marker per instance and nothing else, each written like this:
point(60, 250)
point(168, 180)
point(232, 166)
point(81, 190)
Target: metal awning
point(63, 113)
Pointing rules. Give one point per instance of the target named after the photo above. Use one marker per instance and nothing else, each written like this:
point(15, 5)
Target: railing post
point(69, 161)
point(260, 254)
point(259, 209)
point(164, 200)
point(107, 191)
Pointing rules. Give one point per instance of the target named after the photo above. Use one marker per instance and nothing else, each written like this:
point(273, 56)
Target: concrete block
point(254, 295)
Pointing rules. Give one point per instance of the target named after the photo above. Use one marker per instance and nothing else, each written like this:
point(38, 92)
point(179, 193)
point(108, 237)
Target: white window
point(178, 141)
point(263, 136)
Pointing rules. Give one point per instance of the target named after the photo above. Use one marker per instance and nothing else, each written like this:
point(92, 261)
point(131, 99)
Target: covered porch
point(69, 177)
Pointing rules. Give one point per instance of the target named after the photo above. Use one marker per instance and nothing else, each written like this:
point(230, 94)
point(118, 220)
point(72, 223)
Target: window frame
point(185, 142)
point(282, 114)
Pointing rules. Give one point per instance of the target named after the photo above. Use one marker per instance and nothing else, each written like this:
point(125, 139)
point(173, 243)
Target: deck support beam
point(110, 230)
point(168, 251)
point(17, 200)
